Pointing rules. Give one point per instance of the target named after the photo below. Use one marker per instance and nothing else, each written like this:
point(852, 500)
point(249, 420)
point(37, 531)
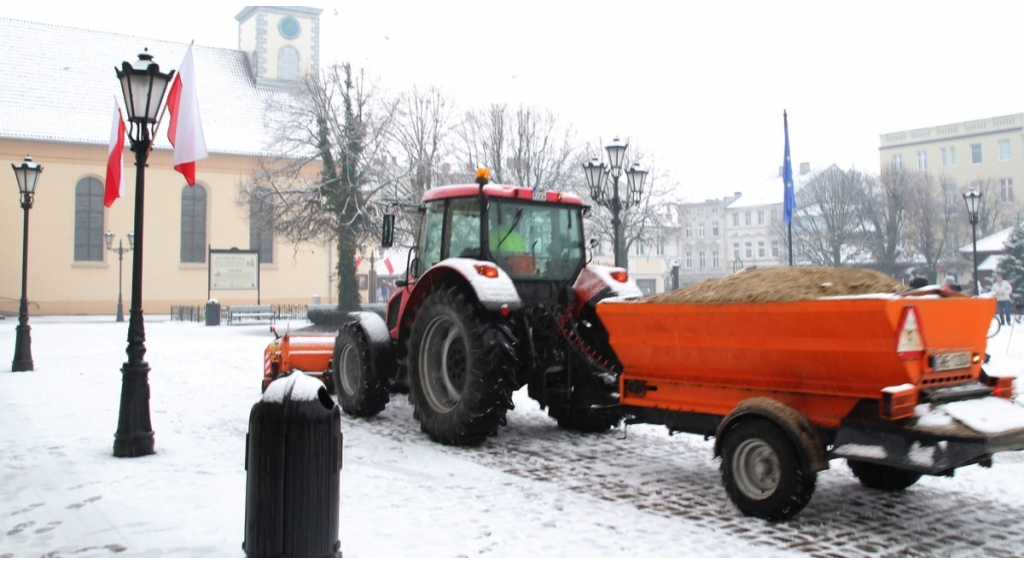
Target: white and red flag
point(387, 264)
point(186, 130)
point(113, 185)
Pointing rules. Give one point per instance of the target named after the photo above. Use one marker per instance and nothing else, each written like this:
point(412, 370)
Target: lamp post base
point(22, 350)
point(134, 435)
point(120, 312)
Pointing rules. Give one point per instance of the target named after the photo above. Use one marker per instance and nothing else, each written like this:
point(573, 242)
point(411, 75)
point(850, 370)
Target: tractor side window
point(430, 235)
point(464, 228)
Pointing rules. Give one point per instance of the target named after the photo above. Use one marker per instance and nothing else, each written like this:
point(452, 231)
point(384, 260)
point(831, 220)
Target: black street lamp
point(109, 236)
point(597, 177)
point(27, 174)
point(143, 86)
point(972, 198)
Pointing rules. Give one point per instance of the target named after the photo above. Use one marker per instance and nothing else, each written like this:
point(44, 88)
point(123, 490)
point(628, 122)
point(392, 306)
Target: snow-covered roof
point(994, 243)
point(771, 191)
point(57, 84)
point(991, 262)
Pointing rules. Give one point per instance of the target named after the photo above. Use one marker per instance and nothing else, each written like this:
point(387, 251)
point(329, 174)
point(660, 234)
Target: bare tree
point(995, 211)
point(331, 141)
point(526, 147)
point(826, 222)
point(424, 120)
point(883, 213)
point(931, 222)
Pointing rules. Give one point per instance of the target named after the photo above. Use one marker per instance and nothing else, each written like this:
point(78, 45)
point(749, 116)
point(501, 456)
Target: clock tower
point(282, 43)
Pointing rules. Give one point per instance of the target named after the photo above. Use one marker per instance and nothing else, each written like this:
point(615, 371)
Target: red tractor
point(498, 296)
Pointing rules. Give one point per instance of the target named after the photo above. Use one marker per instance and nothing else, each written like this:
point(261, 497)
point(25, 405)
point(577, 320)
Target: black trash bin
point(293, 464)
point(213, 312)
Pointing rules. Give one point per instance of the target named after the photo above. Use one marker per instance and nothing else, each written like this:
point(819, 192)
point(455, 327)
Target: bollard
point(293, 457)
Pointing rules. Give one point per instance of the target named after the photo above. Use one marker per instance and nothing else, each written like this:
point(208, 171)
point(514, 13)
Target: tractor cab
point(534, 236)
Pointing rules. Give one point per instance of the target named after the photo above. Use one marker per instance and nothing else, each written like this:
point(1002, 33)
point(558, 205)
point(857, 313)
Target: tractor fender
point(794, 423)
point(382, 349)
point(492, 293)
point(595, 283)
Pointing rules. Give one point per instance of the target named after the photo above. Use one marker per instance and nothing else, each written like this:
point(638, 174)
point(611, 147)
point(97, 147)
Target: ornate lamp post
point(597, 176)
point(972, 198)
point(143, 86)
point(109, 236)
point(27, 174)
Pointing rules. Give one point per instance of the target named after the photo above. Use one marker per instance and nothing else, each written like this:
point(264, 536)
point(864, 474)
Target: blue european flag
point(788, 201)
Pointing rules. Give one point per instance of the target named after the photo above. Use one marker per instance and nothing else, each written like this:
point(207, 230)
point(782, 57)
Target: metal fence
point(197, 313)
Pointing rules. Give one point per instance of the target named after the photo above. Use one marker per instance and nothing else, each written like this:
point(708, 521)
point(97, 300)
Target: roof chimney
point(805, 168)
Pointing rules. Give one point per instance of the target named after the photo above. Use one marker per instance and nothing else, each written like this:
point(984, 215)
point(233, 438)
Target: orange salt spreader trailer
point(893, 383)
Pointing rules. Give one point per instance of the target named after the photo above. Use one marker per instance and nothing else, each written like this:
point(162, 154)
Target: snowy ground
point(534, 490)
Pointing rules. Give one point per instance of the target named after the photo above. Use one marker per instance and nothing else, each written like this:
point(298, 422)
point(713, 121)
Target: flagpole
point(788, 198)
point(163, 111)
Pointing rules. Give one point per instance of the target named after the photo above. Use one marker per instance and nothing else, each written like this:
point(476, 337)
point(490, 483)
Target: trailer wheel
point(885, 478)
point(361, 391)
point(762, 472)
point(460, 370)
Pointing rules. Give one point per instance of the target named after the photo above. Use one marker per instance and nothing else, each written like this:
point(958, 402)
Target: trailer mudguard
point(794, 423)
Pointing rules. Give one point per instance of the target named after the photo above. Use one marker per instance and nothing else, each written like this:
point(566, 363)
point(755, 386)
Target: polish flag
point(186, 130)
point(387, 264)
point(113, 186)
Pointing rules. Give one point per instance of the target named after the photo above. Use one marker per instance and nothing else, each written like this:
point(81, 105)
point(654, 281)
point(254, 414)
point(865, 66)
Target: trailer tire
point(879, 477)
point(361, 391)
point(762, 471)
point(460, 369)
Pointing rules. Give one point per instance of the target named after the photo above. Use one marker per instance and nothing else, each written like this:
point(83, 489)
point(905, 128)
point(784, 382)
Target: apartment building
point(987, 154)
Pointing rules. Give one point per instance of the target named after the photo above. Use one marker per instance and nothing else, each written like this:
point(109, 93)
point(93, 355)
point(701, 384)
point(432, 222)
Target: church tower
point(281, 42)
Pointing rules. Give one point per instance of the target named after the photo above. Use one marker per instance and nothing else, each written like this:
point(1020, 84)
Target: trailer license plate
point(951, 361)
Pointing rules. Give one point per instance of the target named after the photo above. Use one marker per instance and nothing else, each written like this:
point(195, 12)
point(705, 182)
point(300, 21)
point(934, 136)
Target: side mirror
point(586, 211)
point(387, 236)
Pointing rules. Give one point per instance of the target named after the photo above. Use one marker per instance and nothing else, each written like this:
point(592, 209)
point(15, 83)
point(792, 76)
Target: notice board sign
point(233, 269)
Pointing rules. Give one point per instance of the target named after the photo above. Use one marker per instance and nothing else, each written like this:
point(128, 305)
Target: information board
point(234, 270)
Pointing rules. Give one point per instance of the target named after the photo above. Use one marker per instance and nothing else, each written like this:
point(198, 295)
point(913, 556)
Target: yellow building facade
point(57, 107)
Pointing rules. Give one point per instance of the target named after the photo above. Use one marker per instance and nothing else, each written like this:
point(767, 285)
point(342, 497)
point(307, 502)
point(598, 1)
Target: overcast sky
point(701, 86)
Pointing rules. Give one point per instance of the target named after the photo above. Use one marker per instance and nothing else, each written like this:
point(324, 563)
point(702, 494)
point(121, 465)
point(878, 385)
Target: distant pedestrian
point(1004, 299)
point(951, 284)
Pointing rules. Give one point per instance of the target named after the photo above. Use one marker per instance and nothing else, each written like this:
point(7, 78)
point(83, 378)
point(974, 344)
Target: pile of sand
point(783, 284)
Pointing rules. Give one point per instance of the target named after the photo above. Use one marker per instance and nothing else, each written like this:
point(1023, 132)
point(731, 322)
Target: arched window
point(193, 224)
point(89, 219)
point(261, 224)
point(288, 63)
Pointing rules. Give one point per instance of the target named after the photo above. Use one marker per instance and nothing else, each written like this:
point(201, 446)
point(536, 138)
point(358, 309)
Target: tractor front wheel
point(460, 369)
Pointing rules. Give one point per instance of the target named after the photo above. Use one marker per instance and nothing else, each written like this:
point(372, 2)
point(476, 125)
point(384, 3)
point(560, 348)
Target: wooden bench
point(244, 313)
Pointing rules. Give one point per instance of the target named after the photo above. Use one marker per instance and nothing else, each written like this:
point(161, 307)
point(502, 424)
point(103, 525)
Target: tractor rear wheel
point(460, 369)
point(885, 478)
point(361, 391)
point(763, 473)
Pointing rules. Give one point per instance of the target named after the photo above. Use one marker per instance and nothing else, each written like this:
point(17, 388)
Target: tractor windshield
point(533, 240)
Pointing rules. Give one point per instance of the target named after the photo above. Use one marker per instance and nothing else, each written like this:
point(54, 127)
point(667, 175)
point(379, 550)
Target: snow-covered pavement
point(534, 490)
